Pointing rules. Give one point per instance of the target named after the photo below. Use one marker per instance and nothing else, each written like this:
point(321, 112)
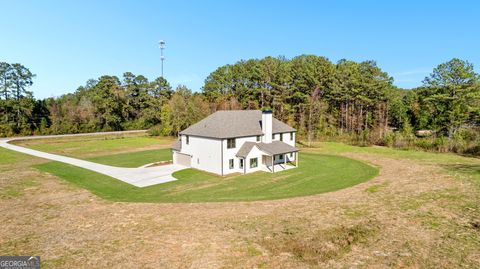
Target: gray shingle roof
point(245, 149)
point(276, 147)
point(177, 145)
point(234, 123)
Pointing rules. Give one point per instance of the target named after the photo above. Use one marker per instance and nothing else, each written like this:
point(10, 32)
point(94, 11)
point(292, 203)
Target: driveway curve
point(139, 177)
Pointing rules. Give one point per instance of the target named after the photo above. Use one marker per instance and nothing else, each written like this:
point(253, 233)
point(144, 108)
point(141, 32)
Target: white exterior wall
point(230, 154)
point(286, 138)
point(254, 153)
point(205, 152)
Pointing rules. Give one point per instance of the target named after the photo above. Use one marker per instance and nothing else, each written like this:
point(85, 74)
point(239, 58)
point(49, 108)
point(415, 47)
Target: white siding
point(230, 154)
point(205, 152)
point(286, 138)
point(254, 153)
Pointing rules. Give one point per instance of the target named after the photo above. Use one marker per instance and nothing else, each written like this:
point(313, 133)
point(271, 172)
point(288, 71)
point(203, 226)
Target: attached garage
point(182, 159)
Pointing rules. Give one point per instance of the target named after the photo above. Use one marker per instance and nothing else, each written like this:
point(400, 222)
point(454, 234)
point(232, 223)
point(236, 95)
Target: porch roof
point(274, 148)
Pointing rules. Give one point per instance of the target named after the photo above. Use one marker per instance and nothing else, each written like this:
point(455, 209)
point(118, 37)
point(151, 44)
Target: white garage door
point(183, 159)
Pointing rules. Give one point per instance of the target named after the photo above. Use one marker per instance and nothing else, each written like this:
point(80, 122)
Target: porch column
point(296, 159)
point(244, 166)
point(273, 165)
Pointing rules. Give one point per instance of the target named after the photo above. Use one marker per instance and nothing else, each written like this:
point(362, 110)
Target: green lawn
point(89, 146)
point(134, 159)
point(317, 174)
point(417, 155)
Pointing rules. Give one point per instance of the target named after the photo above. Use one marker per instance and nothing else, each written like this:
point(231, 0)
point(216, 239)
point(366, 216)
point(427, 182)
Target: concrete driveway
point(139, 177)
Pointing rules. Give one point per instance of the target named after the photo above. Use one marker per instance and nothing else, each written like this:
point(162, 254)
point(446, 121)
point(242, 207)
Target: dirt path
point(409, 216)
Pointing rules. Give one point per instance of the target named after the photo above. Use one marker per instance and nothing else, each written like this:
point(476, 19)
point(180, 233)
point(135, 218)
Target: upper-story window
point(258, 138)
point(291, 136)
point(281, 137)
point(230, 143)
point(187, 139)
point(273, 136)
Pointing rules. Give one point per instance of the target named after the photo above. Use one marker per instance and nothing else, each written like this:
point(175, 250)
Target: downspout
point(221, 149)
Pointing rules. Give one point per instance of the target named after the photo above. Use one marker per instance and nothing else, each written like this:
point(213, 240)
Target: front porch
point(277, 167)
point(279, 162)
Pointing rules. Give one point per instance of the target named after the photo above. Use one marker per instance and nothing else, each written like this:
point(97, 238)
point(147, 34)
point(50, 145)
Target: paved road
point(140, 177)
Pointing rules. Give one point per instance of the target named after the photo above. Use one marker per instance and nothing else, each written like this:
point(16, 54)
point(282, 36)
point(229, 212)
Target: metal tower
point(162, 47)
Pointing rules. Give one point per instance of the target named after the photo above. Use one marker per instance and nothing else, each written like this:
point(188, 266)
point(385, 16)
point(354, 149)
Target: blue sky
point(65, 43)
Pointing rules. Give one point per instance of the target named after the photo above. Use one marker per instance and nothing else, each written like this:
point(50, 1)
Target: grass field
point(134, 159)
point(94, 146)
point(421, 211)
point(316, 174)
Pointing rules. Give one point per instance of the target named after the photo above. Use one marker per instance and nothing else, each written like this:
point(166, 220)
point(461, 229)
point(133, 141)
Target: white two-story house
point(237, 141)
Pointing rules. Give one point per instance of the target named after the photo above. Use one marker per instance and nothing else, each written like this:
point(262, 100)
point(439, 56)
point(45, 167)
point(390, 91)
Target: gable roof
point(276, 147)
point(245, 149)
point(234, 123)
point(177, 145)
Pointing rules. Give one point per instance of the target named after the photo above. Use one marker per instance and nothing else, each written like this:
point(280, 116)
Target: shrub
point(156, 130)
point(388, 139)
point(473, 150)
point(441, 144)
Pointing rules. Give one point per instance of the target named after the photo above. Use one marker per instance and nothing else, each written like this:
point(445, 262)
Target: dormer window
point(291, 136)
point(273, 136)
point(231, 143)
point(187, 139)
point(281, 137)
point(258, 138)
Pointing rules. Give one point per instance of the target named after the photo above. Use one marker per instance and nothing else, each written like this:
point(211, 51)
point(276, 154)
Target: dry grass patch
point(420, 215)
point(314, 246)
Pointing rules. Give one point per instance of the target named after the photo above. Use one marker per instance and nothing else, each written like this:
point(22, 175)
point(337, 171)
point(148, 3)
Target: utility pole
point(162, 47)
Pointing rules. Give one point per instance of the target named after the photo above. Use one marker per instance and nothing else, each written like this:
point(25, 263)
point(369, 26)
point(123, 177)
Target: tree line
point(351, 100)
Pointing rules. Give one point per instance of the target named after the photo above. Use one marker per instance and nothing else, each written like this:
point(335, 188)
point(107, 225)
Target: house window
point(258, 138)
point(230, 163)
point(273, 136)
point(291, 154)
point(281, 137)
point(187, 139)
point(291, 136)
point(230, 143)
point(241, 164)
point(253, 162)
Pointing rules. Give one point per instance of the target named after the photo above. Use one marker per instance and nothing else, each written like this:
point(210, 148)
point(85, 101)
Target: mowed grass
point(92, 146)
point(10, 157)
point(433, 157)
point(317, 174)
point(456, 165)
point(134, 159)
